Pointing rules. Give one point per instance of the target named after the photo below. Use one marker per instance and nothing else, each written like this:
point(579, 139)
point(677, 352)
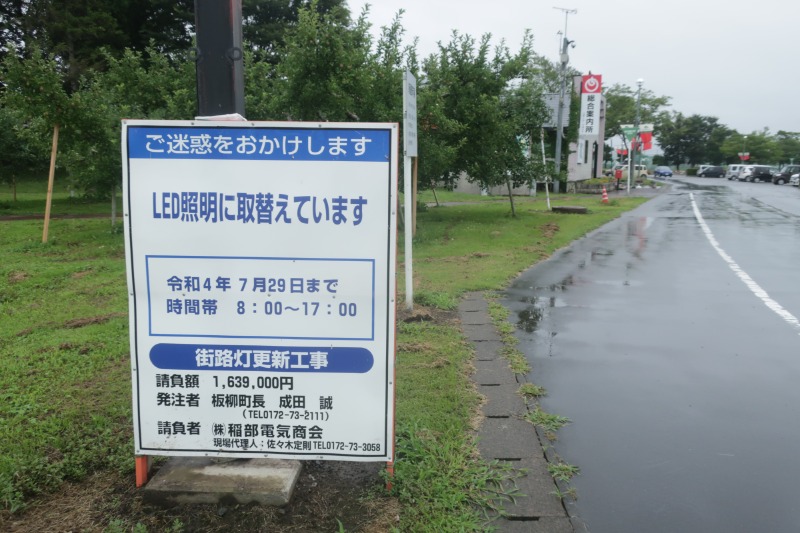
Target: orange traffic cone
point(605, 195)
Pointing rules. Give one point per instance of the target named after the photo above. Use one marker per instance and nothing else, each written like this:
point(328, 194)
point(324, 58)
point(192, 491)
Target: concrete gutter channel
point(506, 437)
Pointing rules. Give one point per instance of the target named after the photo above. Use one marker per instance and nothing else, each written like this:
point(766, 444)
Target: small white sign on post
point(261, 275)
point(409, 114)
point(410, 150)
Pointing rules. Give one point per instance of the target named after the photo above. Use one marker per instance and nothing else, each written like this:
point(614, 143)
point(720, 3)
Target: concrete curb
point(504, 435)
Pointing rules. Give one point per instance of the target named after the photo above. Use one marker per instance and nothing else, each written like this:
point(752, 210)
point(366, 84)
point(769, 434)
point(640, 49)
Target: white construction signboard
point(261, 274)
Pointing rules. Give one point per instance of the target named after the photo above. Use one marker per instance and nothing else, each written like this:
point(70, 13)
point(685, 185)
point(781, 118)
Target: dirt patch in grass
point(88, 321)
point(414, 347)
point(74, 323)
point(550, 229)
point(82, 273)
point(422, 313)
point(16, 277)
point(327, 493)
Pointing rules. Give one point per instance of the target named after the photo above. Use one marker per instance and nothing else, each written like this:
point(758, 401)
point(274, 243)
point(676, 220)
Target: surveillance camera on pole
point(564, 61)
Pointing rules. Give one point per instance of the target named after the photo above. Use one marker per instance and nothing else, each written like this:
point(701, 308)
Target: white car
point(733, 172)
point(639, 172)
point(612, 171)
point(745, 171)
point(795, 180)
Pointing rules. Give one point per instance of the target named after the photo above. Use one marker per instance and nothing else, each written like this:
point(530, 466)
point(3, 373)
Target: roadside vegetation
point(65, 401)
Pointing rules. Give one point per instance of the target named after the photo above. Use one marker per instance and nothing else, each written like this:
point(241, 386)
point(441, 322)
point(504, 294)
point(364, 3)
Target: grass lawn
point(65, 400)
point(32, 195)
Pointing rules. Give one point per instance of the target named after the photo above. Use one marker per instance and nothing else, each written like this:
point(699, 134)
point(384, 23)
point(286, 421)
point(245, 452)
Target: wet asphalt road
point(681, 377)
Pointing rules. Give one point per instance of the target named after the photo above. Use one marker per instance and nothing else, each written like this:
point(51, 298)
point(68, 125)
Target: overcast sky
point(735, 60)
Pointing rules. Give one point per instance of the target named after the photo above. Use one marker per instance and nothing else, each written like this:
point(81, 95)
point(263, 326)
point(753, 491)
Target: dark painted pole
point(220, 69)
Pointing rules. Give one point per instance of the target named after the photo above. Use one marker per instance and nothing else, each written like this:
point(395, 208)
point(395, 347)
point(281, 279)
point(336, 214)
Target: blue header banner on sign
point(259, 144)
point(329, 359)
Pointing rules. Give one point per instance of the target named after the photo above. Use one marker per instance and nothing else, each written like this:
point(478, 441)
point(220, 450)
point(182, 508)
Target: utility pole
point(220, 61)
point(637, 138)
point(564, 61)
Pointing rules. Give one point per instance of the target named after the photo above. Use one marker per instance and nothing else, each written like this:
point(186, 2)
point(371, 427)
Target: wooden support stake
point(50, 183)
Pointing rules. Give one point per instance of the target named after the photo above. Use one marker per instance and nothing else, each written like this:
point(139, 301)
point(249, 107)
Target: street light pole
point(637, 137)
point(564, 61)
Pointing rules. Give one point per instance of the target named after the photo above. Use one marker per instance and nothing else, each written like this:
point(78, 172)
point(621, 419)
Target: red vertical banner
point(647, 139)
point(591, 91)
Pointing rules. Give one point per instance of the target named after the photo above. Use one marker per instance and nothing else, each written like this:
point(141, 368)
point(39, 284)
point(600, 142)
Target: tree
point(75, 32)
point(16, 29)
point(323, 69)
point(34, 97)
point(144, 85)
point(265, 22)
point(694, 139)
point(761, 145)
point(621, 109)
point(390, 58)
point(34, 87)
point(22, 151)
point(788, 145)
point(523, 113)
point(472, 85)
point(717, 136)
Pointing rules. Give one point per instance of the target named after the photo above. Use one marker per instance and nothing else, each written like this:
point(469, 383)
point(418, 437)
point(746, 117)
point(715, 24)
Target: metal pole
point(630, 167)
point(546, 188)
point(636, 137)
point(560, 114)
point(744, 149)
point(220, 60)
point(639, 83)
point(408, 197)
point(564, 61)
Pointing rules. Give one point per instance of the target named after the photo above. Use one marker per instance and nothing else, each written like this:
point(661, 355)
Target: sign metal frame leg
point(142, 470)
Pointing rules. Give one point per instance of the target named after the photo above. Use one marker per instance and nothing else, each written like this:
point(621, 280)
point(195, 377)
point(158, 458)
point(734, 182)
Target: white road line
point(754, 287)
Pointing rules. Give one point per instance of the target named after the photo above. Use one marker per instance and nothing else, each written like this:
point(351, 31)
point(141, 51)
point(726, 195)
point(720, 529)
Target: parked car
point(744, 172)
point(733, 172)
point(611, 171)
point(701, 168)
point(712, 172)
point(754, 173)
point(795, 180)
point(639, 172)
point(783, 175)
point(662, 172)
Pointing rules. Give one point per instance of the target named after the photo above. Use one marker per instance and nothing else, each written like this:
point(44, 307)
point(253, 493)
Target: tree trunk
point(511, 198)
point(433, 189)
